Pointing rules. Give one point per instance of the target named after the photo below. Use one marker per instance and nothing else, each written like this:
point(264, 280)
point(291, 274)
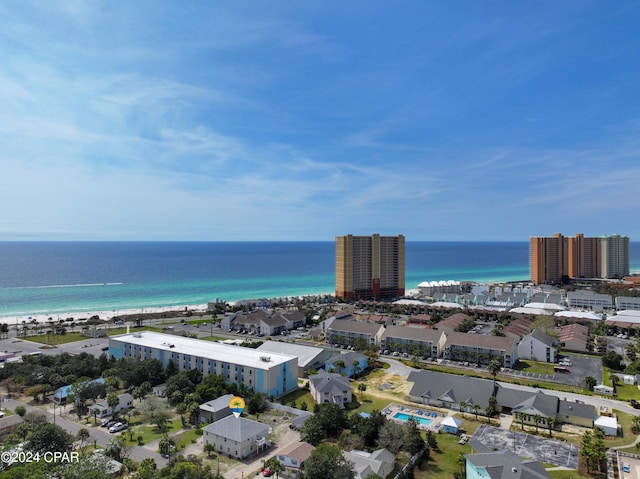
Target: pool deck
point(435, 417)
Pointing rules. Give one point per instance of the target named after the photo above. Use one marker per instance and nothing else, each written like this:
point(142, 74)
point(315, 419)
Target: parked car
point(117, 427)
point(635, 404)
point(266, 472)
point(108, 422)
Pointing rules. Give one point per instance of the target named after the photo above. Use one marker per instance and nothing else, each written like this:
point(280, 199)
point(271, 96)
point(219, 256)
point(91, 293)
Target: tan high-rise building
point(548, 259)
point(370, 266)
point(552, 258)
point(584, 257)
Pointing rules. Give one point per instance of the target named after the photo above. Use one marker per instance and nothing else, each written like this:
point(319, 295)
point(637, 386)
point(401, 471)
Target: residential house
point(292, 457)
point(518, 328)
point(159, 390)
point(537, 346)
point(503, 465)
point(330, 388)
point(102, 409)
point(574, 337)
point(309, 357)
point(215, 409)
point(380, 462)
point(347, 364)
point(449, 391)
point(478, 348)
point(451, 425)
point(411, 340)
point(239, 438)
point(452, 391)
point(354, 333)
point(61, 395)
point(589, 300)
point(452, 322)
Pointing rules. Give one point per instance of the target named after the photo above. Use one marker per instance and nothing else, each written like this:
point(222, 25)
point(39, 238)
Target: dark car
point(635, 404)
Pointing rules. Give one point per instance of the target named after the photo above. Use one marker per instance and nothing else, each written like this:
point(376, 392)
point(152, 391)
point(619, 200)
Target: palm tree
point(356, 368)
point(462, 405)
point(537, 418)
point(615, 380)
point(550, 423)
point(82, 436)
point(340, 366)
point(209, 448)
point(521, 417)
point(494, 368)
point(362, 387)
point(475, 408)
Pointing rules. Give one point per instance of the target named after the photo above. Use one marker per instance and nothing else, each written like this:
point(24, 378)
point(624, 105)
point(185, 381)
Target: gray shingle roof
point(237, 429)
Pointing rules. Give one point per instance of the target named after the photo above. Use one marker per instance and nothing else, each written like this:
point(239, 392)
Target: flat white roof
point(205, 349)
point(305, 354)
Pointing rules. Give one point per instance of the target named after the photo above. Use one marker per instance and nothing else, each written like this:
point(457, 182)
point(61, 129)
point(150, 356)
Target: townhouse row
point(441, 344)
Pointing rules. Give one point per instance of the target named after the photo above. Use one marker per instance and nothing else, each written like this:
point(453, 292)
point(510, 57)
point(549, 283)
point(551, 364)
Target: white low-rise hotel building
point(269, 373)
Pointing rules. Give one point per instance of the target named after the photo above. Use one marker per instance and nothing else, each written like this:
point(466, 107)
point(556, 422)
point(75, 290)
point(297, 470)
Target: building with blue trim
point(269, 373)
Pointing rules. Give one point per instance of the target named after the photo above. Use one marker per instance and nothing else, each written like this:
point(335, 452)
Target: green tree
point(590, 382)
point(166, 445)
point(362, 387)
point(494, 368)
point(209, 448)
point(275, 466)
point(113, 401)
point(462, 405)
point(413, 438)
point(49, 437)
point(391, 436)
point(82, 436)
point(327, 462)
point(20, 410)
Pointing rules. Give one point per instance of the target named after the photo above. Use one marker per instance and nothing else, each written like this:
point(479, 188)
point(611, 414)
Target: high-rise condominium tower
point(552, 258)
point(615, 256)
point(370, 266)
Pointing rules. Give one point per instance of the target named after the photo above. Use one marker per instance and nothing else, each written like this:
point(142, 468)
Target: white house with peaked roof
point(102, 409)
point(537, 346)
point(237, 437)
point(292, 457)
point(330, 388)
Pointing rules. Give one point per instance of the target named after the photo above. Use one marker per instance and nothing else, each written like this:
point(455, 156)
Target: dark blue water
point(57, 277)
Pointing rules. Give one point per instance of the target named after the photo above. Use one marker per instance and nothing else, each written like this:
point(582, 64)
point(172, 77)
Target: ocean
point(49, 278)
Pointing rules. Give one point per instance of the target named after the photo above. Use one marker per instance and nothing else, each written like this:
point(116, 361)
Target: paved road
point(96, 434)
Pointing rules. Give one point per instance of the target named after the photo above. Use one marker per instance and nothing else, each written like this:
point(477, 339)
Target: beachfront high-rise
point(370, 267)
point(552, 258)
point(615, 256)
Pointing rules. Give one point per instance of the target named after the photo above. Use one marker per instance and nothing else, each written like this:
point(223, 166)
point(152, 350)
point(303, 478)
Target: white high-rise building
point(614, 253)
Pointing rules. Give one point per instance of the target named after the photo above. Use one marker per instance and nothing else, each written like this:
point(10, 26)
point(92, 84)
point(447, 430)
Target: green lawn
point(566, 475)
point(624, 392)
point(57, 339)
point(444, 461)
point(150, 432)
point(186, 438)
point(534, 367)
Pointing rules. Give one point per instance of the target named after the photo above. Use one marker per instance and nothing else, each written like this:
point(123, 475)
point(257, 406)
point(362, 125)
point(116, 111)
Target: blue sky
point(298, 120)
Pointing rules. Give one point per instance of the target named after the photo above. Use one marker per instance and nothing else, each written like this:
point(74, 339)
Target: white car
point(117, 427)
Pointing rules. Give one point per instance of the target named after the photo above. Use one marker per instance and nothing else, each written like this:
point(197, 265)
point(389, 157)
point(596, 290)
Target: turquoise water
point(405, 417)
point(48, 278)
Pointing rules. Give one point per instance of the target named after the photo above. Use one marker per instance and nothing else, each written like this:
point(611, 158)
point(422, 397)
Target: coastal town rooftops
point(480, 341)
point(355, 327)
point(305, 354)
point(507, 465)
point(412, 333)
point(204, 349)
point(300, 451)
point(237, 429)
point(218, 404)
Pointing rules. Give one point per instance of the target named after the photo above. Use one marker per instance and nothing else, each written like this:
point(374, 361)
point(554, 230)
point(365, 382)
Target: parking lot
point(539, 448)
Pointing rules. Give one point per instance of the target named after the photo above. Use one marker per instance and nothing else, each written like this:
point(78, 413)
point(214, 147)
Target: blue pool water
point(404, 417)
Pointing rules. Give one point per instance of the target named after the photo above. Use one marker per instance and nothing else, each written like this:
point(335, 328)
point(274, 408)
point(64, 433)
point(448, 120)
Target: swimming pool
point(405, 417)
